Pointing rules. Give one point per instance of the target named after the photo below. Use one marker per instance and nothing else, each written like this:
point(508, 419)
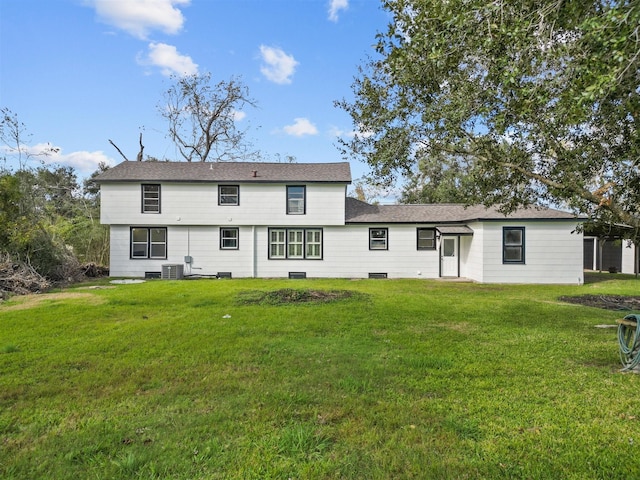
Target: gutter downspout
point(254, 261)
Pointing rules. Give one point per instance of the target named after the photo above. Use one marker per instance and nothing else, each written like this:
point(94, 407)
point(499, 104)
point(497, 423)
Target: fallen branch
point(19, 278)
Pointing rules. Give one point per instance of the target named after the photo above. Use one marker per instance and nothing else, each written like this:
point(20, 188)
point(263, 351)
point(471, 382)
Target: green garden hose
point(629, 341)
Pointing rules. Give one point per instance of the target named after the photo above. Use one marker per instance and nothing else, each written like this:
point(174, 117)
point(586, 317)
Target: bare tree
point(202, 118)
point(14, 135)
point(138, 157)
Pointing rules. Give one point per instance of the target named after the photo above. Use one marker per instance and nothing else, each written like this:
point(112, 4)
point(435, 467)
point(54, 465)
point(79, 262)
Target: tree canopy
point(512, 103)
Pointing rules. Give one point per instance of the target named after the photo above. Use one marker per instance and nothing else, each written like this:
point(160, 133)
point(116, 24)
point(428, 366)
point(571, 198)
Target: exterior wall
point(553, 254)
point(628, 258)
point(201, 243)
point(197, 204)
point(193, 218)
point(472, 254)
point(346, 254)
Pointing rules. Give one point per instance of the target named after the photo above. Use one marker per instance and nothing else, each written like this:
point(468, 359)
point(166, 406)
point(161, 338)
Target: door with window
point(449, 257)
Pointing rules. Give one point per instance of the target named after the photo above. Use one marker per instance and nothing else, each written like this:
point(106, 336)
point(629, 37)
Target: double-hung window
point(296, 199)
point(378, 239)
point(229, 238)
point(513, 245)
point(295, 243)
point(313, 244)
point(426, 239)
point(277, 243)
point(150, 198)
point(148, 242)
point(228, 195)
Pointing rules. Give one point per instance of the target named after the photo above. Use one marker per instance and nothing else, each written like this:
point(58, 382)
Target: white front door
point(449, 257)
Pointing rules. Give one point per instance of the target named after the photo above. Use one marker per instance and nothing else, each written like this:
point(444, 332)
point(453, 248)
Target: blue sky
point(81, 72)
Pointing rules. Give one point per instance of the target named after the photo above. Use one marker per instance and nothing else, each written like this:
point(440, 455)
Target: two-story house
point(295, 219)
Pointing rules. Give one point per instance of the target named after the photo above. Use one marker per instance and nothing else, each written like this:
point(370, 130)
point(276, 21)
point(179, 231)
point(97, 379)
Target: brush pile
point(19, 278)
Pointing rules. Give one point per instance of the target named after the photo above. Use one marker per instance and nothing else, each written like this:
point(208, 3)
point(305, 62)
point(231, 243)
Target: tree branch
point(119, 151)
point(139, 158)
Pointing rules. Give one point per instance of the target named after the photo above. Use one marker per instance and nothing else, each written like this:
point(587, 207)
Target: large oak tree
point(519, 103)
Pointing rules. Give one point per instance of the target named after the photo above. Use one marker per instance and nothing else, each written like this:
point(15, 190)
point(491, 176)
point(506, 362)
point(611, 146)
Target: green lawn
point(214, 379)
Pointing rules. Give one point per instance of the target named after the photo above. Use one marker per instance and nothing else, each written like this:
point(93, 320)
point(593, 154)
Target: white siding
point(628, 257)
point(197, 204)
point(471, 251)
point(201, 243)
point(346, 254)
point(552, 254)
point(193, 219)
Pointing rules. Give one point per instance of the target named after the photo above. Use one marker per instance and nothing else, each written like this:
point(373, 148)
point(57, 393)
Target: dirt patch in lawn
point(607, 302)
point(288, 296)
point(24, 302)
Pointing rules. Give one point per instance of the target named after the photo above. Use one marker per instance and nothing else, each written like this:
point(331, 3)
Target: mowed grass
point(399, 379)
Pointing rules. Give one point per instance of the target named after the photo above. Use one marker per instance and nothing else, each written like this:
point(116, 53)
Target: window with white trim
point(277, 243)
point(229, 238)
point(296, 199)
point(313, 244)
point(378, 238)
point(228, 195)
point(513, 245)
point(295, 243)
point(148, 242)
point(150, 198)
point(426, 238)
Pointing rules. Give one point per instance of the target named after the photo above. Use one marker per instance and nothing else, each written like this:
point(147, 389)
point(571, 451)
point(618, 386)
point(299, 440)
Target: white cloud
point(169, 60)
point(278, 66)
point(360, 133)
point(301, 127)
point(336, 131)
point(239, 116)
point(335, 6)
point(84, 162)
point(140, 17)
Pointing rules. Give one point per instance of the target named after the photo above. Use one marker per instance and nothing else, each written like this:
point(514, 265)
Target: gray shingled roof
point(226, 172)
point(361, 212)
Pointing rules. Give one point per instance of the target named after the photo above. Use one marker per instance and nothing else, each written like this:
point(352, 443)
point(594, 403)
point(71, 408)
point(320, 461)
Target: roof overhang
point(454, 230)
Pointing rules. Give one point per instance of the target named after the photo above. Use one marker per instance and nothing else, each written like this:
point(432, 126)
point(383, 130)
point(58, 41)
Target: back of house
point(242, 219)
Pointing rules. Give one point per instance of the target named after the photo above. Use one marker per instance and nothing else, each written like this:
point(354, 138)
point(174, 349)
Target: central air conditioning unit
point(173, 271)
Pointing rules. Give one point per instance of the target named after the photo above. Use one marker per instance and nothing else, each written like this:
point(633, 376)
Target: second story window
point(151, 198)
point(296, 200)
point(228, 195)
